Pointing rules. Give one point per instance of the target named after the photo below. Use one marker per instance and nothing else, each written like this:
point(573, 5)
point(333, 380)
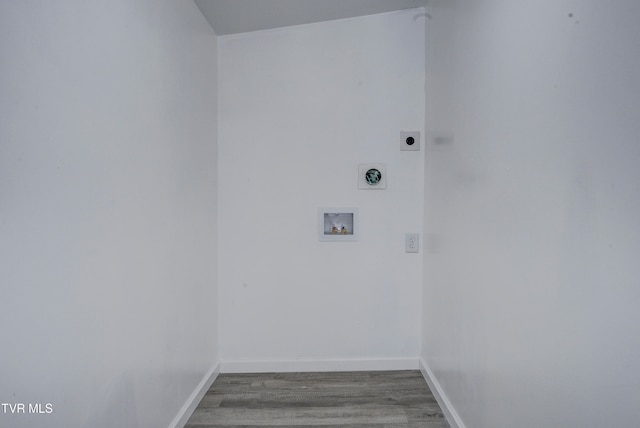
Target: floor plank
point(389, 399)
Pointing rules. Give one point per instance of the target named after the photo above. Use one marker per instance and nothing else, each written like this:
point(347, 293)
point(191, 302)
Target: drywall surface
point(107, 211)
point(532, 205)
point(300, 108)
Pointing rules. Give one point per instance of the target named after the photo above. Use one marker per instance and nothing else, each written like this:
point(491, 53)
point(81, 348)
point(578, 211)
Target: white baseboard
point(447, 408)
point(194, 399)
point(319, 365)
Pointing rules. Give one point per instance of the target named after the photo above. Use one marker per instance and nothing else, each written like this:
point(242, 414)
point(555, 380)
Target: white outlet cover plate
point(369, 179)
point(412, 243)
point(416, 141)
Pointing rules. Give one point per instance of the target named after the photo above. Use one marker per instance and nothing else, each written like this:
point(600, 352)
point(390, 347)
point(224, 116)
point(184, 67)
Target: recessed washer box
point(338, 224)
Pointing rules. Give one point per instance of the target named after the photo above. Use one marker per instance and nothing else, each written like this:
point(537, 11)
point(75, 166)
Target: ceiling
point(241, 16)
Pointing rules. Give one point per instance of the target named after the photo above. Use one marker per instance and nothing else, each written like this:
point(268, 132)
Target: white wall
point(533, 199)
point(300, 107)
point(107, 210)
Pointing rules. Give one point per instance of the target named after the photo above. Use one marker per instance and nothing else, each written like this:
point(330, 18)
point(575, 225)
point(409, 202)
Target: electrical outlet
point(411, 242)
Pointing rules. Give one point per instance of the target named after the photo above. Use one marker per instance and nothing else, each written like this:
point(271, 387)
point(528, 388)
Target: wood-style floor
point(391, 399)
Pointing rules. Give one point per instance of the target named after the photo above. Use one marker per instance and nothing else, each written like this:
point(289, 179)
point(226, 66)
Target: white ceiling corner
point(241, 16)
